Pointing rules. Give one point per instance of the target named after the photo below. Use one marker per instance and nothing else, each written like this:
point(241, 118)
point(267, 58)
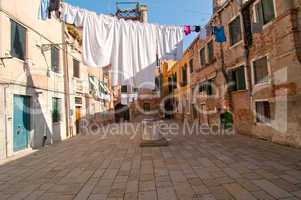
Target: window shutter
point(247, 25)
point(240, 79)
point(18, 40)
point(124, 89)
point(268, 10)
point(261, 70)
point(232, 82)
point(209, 87)
point(191, 65)
point(235, 31)
point(259, 13)
point(55, 66)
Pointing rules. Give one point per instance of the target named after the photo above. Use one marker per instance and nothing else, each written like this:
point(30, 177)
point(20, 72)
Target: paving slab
point(193, 167)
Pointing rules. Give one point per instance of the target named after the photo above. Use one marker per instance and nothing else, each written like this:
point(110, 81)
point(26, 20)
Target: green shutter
point(235, 31)
point(209, 87)
point(268, 10)
point(259, 13)
point(261, 70)
point(56, 110)
point(18, 40)
point(232, 82)
point(191, 65)
point(55, 64)
point(184, 74)
point(210, 52)
point(240, 79)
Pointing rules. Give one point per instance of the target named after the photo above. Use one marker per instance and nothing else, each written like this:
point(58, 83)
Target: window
point(210, 52)
point(56, 110)
point(18, 40)
point(55, 59)
point(76, 68)
point(261, 73)
point(102, 87)
point(191, 65)
point(135, 90)
point(203, 56)
point(146, 107)
point(124, 89)
point(78, 100)
point(235, 31)
point(158, 82)
point(237, 79)
point(263, 112)
point(92, 84)
point(206, 87)
point(265, 11)
point(184, 75)
point(170, 84)
point(175, 80)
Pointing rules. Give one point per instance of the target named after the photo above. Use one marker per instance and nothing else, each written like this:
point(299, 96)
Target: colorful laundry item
point(203, 33)
point(54, 5)
point(197, 29)
point(43, 10)
point(124, 99)
point(187, 30)
point(219, 33)
point(130, 47)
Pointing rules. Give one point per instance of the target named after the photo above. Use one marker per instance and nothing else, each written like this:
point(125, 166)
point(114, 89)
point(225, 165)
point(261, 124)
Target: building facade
point(44, 85)
point(255, 73)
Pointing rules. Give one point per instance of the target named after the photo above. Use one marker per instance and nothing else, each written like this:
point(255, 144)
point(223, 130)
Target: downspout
point(224, 70)
point(289, 6)
point(5, 119)
point(246, 50)
point(66, 82)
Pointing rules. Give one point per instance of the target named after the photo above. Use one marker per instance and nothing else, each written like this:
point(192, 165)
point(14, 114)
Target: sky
point(169, 12)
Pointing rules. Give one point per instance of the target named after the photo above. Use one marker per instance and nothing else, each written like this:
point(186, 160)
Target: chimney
point(216, 4)
point(143, 13)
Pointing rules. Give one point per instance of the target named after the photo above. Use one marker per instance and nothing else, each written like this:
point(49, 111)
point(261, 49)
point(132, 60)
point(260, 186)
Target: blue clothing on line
point(219, 33)
point(43, 11)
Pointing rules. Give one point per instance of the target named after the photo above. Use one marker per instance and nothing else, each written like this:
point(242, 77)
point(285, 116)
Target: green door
point(21, 122)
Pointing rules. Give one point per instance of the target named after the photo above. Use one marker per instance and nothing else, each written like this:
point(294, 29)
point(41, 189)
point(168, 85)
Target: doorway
point(21, 122)
point(77, 119)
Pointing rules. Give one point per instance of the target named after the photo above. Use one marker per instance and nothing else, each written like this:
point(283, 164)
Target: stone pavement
point(191, 168)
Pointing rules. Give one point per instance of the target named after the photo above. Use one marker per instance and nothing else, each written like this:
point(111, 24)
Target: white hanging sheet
point(129, 46)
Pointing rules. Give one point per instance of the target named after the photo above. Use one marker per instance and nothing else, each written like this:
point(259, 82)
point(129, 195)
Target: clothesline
point(130, 47)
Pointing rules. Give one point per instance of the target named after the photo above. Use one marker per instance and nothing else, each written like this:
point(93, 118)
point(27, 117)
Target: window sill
point(268, 83)
point(53, 73)
point(267, 25)
point(20, 60)
point(76, 78)
point(236, 44)
point(268, 124)
point(239, 91)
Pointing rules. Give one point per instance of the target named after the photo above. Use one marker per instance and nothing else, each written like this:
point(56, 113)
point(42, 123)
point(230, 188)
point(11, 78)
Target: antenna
point(131, 11)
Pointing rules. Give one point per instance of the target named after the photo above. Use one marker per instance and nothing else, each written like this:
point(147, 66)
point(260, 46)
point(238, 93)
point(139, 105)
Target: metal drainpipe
point(5, 119)
point(224, 70)
point(246, 56)
point(66, 81)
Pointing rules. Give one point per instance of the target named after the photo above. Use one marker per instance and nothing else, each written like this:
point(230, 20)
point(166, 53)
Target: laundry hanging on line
point(189, 29)
point(47, 7)
point(54, 6)
point(43, 10)
point(130, 47)
point(219, 33)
